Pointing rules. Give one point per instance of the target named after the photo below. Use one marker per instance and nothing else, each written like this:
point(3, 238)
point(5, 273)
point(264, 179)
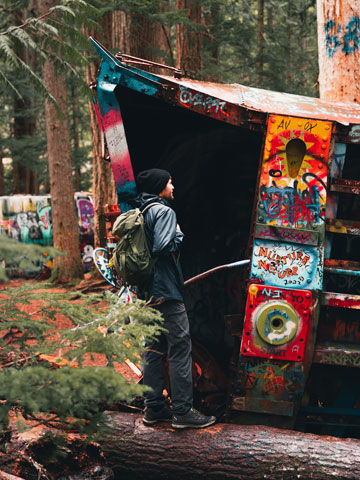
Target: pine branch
point(102, 324)
point(8, 83)
point(27, 23)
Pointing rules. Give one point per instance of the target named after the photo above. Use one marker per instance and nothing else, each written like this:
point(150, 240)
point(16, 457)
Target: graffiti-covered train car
point(27, 218)
point(272, 179)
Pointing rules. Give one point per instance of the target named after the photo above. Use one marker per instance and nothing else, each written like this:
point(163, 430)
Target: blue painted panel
point(287, 265)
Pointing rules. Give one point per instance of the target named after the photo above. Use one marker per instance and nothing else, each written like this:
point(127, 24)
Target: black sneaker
point(153, 416)
point(192, 419)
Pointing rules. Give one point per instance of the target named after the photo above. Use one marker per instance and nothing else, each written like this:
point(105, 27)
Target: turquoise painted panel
point(287, 265)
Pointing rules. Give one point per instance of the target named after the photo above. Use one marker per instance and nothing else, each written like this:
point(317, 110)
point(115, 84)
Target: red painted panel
point(276, 322)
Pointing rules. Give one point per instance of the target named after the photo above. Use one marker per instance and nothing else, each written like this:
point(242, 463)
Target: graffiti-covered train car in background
point(266, 185)
point(27, 218)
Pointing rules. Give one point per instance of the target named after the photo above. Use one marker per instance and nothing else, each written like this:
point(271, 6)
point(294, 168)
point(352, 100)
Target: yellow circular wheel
point(276, 322)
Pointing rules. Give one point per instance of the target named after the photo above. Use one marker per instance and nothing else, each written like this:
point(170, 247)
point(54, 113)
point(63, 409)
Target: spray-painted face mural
point(28, 219)
point(288, 251)
point(294, 174)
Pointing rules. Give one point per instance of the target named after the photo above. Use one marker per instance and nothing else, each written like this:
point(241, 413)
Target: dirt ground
point(92, 283)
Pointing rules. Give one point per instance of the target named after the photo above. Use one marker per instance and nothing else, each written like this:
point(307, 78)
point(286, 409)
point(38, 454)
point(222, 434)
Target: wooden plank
point(348, 227)
point(345, 186)
point(342, 300)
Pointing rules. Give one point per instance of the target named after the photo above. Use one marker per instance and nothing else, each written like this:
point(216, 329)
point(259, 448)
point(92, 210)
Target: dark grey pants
point(176, 344)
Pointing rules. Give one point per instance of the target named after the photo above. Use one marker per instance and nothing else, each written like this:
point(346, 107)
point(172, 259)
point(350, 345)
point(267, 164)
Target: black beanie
point(152, 181)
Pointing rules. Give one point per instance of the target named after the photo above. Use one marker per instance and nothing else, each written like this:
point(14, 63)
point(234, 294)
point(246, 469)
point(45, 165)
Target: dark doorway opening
point(214, 167)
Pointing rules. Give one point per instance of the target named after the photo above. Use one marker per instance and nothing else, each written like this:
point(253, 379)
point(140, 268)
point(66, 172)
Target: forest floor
point(92, 283)
point(82, 458)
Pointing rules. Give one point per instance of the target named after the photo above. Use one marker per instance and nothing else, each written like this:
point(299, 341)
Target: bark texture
point(188, 42)
point(260, 46)
point(2, 181)
point(103, 184)
point(226, 451)
point(24, 177)
point(149, 40)
point(64, 221)
point(339, 42)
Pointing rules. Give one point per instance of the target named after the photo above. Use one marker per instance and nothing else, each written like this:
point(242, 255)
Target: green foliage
point(56, 35)
point(22, 256)
point(73, 394)
point(286, 58)
point(26, 41)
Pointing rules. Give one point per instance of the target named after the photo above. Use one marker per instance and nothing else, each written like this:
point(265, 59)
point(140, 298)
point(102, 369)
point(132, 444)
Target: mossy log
point(136, 451)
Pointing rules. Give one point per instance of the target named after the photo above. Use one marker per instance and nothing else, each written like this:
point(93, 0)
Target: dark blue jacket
point(164, 238)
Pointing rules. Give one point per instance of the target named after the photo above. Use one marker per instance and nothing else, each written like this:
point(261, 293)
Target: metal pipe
point(239, 263)
point(340, 271)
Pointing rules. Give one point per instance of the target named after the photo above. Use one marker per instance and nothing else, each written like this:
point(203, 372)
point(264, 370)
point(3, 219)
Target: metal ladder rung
point(349, 227)
point(342, 267)
point(342, 300)
point(345, 186)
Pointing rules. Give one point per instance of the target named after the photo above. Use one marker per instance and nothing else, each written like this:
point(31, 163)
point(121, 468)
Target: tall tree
point(339, 54)
point(65, 226)
point(25, 177)
point(211, 42)
point(2, 182)
point(145, 34)
point(188, 38)
point(103, 185)
point(147, 39)
point(260, 47)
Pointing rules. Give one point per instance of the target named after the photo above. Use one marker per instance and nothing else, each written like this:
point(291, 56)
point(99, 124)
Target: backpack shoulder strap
point(143, 210)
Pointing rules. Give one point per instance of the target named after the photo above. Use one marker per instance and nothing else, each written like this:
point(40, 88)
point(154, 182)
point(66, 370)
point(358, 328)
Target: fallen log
point(8, 476)
point(135, 451)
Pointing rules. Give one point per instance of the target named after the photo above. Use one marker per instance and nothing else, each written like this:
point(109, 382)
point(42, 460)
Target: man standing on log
point(166, 287)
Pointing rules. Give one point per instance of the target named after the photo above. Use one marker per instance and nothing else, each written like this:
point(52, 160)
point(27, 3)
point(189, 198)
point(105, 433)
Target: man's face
point(168, 192)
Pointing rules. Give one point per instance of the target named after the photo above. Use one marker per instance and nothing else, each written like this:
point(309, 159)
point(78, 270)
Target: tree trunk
point(289, 47)
point(260, 46)
point(64, 220)
point(24, 121)
point(103, 184)
point(75, 136)
point(303, 32)
point(212, 20)
point(338, 41)
point(135, 451)
point(120, 31)
point(188, 43)
point(149, 40)
point(2, 181)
